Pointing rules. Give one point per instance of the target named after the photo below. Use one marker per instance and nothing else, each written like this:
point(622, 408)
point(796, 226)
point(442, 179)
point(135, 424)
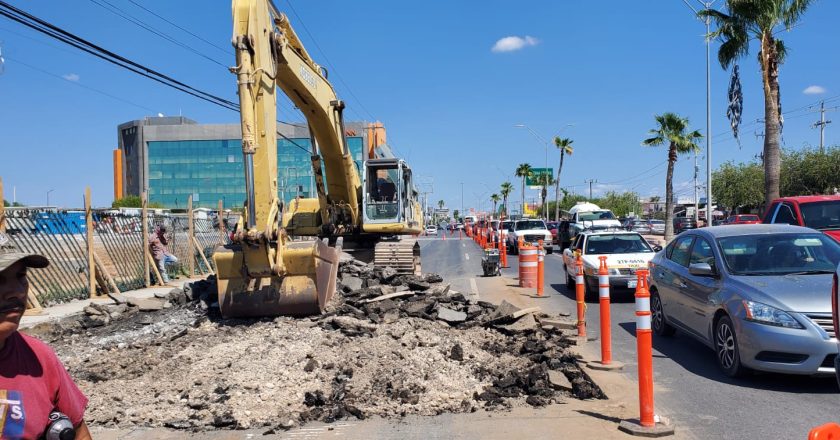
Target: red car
point(743, 219)
point(553, 227)
point(817, 212)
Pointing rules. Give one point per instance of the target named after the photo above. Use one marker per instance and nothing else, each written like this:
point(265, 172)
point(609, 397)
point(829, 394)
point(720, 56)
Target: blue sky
point(428, 71)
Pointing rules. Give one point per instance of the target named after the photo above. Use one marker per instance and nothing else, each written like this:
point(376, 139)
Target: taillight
point(834, 313)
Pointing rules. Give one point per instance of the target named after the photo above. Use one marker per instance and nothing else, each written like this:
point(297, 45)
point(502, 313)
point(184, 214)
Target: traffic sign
point(535, 180)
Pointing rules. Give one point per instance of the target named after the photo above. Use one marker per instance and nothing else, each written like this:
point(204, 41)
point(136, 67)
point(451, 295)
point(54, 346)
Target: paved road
point(689, 386)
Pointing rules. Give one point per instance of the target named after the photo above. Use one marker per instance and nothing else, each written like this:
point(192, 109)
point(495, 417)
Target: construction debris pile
point(389, 346)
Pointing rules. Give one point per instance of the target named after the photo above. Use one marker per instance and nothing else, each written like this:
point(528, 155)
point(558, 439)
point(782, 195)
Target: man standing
point(161, 255)
point(33, 381)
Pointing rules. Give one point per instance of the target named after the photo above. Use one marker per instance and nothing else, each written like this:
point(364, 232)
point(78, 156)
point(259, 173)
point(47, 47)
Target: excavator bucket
point(307, 287)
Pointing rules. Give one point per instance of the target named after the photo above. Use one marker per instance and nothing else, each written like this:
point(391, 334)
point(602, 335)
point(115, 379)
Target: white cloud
point(814, 90)
point(71, 77)
point(513, 43)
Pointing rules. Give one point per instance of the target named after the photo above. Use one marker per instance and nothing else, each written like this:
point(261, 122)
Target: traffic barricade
point(580, 297)
point(527, 266)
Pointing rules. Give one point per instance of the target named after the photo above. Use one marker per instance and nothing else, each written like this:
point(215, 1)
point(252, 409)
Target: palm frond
point(794, 11)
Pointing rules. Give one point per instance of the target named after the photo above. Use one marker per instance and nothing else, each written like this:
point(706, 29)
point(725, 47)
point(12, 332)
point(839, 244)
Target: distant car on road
point(682, 224)
point(640, 226)
point(818, 212)
point(742, 219)
point(656, 226)
point(431, 229)
point(626, 252)
point(756, 294)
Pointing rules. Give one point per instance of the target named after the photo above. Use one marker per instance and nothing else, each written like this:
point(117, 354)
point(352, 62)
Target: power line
point(124, 15)
point(75, 83)
point(227, 51)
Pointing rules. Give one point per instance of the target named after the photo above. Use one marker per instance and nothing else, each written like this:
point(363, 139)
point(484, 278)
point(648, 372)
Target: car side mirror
point(657, 248)
point(701, 270)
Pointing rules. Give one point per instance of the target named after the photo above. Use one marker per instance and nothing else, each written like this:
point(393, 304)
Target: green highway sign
point(536, 177)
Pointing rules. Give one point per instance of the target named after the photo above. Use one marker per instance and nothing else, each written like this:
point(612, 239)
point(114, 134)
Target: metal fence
point(60, 235)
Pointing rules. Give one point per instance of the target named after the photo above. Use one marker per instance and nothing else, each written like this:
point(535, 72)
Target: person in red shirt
point(33, 381)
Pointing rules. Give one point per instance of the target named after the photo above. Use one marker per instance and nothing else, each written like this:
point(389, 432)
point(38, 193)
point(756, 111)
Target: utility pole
point(822, 123)
point(590, 182)
point(462, 199)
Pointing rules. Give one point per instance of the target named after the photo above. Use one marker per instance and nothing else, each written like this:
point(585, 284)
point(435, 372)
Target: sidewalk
point(59, 311)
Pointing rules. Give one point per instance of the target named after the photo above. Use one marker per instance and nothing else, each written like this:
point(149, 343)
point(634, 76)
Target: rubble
point(390, 345)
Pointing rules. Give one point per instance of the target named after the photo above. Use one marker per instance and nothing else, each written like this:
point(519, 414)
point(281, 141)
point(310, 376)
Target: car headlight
point(764, 314)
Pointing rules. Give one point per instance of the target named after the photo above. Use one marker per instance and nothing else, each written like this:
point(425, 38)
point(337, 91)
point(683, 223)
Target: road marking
point(463, 245)
point(474, 287)
point(467, 256)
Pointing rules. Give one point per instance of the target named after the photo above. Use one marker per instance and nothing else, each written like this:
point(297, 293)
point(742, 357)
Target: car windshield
point(603, 244)
point(506, 225)
point(596, 215)
point(780, 254)
point(821, 215)
point(530, 224)
point(749, 218)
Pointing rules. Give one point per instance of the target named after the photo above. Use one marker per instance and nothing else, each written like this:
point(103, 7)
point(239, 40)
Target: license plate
point(631, 284)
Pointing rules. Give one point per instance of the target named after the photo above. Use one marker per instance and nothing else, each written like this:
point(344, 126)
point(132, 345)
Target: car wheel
point(726, 348)
point(658, 322)
point(549, 250)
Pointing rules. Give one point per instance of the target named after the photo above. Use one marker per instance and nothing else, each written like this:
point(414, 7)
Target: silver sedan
point(759, 295)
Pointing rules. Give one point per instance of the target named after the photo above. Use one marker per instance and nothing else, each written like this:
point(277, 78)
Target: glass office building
point(173, 158)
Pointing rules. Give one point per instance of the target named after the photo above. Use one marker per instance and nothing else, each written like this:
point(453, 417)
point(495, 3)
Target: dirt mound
point(390, 345)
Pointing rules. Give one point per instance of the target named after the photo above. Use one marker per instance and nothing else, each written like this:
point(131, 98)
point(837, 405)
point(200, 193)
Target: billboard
point(536, 178)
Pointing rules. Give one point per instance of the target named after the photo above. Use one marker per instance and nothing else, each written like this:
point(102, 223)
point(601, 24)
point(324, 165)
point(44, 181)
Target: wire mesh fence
point(60, 236)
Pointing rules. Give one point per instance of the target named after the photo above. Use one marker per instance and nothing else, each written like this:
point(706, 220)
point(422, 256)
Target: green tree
point(761, 20)
point(495, 199)
point(524, 170)
point(620, 203)
point(672, 130)
point(565, 147)
point(505, 191)
point(570, 200)
point(738, 186)
point(134, 202)
point(456, 215)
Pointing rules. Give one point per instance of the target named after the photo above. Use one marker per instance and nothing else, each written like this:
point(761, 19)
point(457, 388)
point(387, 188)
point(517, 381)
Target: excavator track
point(402, 254)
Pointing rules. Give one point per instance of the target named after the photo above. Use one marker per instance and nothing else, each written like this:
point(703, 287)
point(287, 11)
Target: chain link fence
point(60, 235)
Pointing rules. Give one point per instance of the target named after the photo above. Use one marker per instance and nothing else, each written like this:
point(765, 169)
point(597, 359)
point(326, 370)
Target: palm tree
point(495, 198)
point(673, 131)
point(760, 19)
point(546, 181)
point(524, 171)
point(505, 191)
point(441, 203)
point(565, 147)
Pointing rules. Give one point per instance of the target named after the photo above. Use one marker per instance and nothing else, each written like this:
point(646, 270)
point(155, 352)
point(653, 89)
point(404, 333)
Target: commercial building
point(175, 157)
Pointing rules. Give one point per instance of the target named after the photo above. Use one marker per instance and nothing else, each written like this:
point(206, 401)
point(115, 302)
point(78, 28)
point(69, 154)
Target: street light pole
point(48, 196)
point(462, 199)
point(707, 5)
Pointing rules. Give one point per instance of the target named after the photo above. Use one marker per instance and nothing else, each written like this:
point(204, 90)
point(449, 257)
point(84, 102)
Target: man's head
point(13, 288)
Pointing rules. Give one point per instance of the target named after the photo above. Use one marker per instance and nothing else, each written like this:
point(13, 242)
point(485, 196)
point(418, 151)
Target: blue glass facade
point(212, 170)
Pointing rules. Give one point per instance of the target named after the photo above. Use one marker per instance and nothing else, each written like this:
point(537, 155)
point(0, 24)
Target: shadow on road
point(700, 360)
point(616, 296)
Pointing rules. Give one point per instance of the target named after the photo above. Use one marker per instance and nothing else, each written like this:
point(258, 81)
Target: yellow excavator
point(274, 267)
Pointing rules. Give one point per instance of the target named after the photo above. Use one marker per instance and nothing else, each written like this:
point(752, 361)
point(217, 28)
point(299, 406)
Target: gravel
point(425, 353)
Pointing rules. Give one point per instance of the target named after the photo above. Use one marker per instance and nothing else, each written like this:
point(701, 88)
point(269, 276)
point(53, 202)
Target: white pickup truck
point(531, 231)
point(585, 216)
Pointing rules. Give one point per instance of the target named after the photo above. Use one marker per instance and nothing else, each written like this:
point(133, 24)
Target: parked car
point(818, 212)
point(682, 224)
point(626, 252)
point(431, 230)
point(531, 230)
point(640, 226)
point(656, 226)
point(835, 318)
point(742, 219)
point(756, 294)
point(554, 228)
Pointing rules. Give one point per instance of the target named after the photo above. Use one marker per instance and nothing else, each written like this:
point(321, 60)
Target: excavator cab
point(385, 191)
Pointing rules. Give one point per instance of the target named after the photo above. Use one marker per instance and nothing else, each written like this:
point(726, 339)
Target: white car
point(431, 229)
point(626, 252)
point(531, 230)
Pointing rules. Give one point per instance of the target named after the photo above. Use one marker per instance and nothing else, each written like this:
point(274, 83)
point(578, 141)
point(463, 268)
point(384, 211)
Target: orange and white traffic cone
point(540, 269)
point(580, 297)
